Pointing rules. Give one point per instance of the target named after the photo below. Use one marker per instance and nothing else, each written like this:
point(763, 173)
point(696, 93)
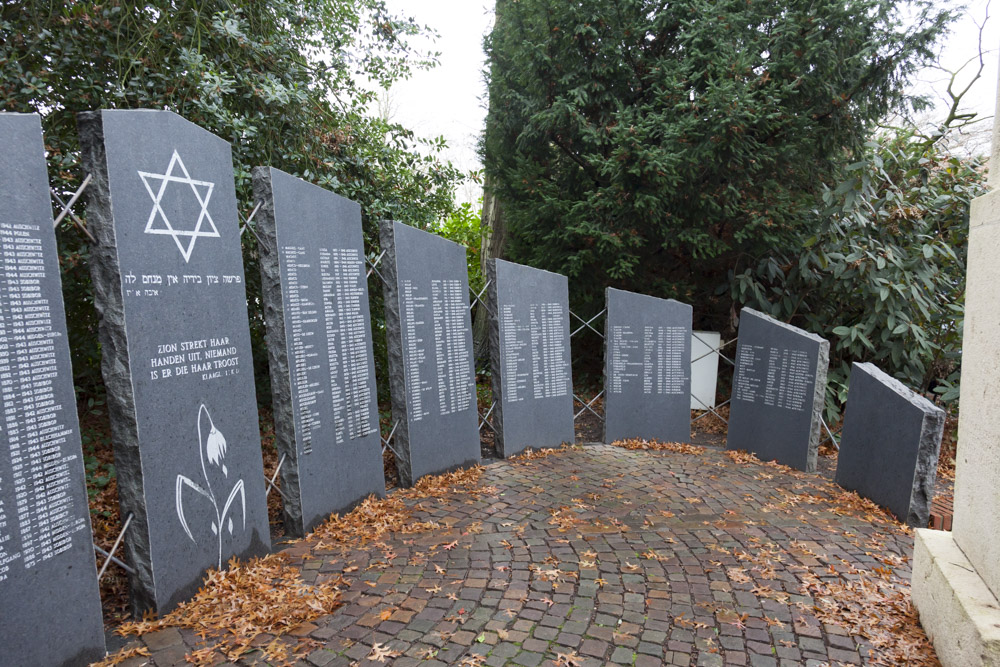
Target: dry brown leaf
point(380, 652)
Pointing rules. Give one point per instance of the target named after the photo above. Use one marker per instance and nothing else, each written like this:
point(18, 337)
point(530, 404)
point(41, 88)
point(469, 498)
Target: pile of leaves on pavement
point(871, 603)
point(376, 517)
point(266, 598)
point(874, 604)
point(262, 597)
point(657, 446)
point(529, 455)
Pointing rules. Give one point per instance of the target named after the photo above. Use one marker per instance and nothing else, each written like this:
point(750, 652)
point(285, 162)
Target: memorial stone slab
point(779, 390)
point(431, 367)
point(890, 444)
point(169, 286)
point(529, 357)
point(647, 368)
point(48, 575)
point(319, 344)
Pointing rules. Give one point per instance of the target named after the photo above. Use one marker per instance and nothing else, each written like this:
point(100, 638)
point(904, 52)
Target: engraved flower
point(215, 448)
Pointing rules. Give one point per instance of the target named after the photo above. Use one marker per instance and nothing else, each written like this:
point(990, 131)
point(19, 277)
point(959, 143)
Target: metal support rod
point(586, 406)
point(709, 409)
point(274, 477)
point(114, 547)
point(485, 418)
point(385, 444)
point(836, 445)
point(373, 268)
point(121, 564)
point(67, 209)
point(715, 350)
point(478, 296)
point(586, 324)
point(386, 440)
point(247, 225)
point(374, 264)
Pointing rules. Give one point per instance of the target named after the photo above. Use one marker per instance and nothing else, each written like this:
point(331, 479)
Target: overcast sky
point(449, 100)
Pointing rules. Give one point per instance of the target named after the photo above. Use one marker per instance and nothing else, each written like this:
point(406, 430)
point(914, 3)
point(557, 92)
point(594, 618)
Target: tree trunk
point(493, 242)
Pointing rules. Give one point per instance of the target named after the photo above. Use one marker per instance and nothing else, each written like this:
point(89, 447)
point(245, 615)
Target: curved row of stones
point(171, 293)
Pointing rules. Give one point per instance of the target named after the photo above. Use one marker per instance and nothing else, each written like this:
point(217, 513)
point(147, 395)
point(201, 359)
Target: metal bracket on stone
point(586, 406)
point(373, 268)
point(485, 419)
point(67, 209)
point(111, 555)
point(273, 479)
point(245, 225)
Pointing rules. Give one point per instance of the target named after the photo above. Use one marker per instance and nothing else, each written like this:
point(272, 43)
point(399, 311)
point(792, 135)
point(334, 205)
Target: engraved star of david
point(199, 188)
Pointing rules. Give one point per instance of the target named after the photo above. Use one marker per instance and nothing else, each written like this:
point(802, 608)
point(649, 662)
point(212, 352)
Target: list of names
point(772, 376)
point(448, 346)
point(534, 355)
point(38, 516)
point(656, 359)
point(327, 353)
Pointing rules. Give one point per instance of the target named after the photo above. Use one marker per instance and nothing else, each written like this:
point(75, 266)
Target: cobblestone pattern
point(557, 563)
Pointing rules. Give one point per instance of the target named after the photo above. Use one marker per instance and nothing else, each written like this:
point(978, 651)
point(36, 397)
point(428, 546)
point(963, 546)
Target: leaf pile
point(875, 605)
point(376, 517)
point(121, 656)
point(657, 446)
point(742, 457)
point(529, 455)
point(265, 596)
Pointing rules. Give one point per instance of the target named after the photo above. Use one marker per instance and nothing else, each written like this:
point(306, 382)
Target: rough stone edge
point(115, 366)
point(925, 473)
point(819, 399)
point(607, 365)
point(277, 351)
point(394, 346)
point(496, 365)
point(689, 346)
point(956, 609)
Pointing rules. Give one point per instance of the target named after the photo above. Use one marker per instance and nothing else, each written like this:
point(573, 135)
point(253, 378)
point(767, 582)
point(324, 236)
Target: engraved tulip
point(215, 448)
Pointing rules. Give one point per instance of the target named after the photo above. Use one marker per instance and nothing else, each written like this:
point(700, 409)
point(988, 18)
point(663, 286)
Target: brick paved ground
point(604, 556)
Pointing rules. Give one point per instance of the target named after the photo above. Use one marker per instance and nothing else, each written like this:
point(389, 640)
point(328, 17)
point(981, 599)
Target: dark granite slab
point(168, 282)
point(319, 344)
point(431, 367)
point(779, 390)
point(529, 357)
point(890, 444)
point(647, 368)
point(48, 576)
